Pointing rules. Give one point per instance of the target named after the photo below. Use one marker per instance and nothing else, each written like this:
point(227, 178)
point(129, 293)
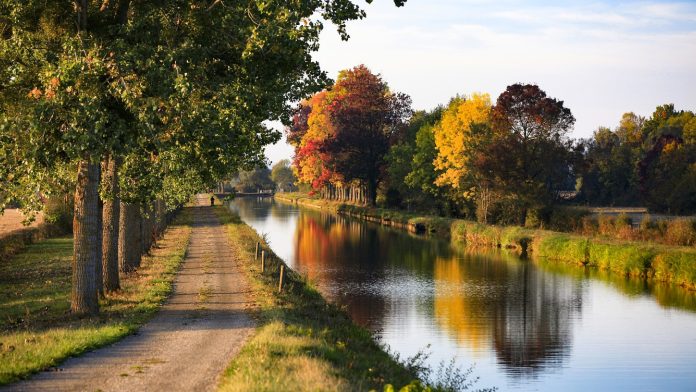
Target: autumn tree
point(365, 116)
point(528, 158)
point(460, 136)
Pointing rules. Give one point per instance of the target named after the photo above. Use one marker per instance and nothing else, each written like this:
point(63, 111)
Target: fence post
point(263, 261)
point(280, 282)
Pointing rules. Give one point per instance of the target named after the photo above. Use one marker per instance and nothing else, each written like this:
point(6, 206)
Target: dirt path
point(188, 343)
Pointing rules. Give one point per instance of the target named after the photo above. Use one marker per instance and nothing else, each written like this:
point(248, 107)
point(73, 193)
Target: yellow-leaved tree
point(457, 136)
point(460, 136)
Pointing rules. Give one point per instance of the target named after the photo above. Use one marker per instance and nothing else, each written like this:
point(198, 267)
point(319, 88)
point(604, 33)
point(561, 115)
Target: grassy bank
point(37, 330)
point(18, 240)
point(663, 263)
point(302, 342)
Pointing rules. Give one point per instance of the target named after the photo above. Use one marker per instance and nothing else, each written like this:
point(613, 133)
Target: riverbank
point(672, 264)
point(303, 342)
point(37, 330)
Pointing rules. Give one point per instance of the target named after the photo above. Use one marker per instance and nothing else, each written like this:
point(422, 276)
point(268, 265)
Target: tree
point(411, 157)
point(254, 180)
point(342, 135)
point(460, 136)
point(187, 83)
point(365, 116)
point(529, 156)
point(282, 176)
point(667, 170)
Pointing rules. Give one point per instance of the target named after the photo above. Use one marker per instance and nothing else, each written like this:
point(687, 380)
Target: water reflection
point(517, 319)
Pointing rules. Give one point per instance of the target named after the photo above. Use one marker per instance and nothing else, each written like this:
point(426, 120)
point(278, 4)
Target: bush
point(537, 218)
point(589, 225)
point(568, 219)
point(59, 213)
point(507, 212)
point(681, 232)
point(623, 227)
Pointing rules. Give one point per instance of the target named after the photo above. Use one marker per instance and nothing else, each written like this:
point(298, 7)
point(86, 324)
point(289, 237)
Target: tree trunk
point(128, 238)
point(111, 215)
point(85, 257)
point(98, 270)
point(371, 197)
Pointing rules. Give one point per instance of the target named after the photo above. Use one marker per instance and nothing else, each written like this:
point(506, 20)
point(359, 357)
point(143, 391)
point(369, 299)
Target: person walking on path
point(212, 201)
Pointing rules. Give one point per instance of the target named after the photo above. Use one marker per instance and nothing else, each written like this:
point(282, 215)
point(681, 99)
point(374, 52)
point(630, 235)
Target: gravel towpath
point(191, 340)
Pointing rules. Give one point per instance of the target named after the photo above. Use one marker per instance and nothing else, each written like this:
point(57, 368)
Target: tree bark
point(129, 238)
point(98, 270)
point(85, 231)
point(111, 216)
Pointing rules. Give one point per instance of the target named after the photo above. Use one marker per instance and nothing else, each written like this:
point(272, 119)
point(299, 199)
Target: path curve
point(190, 341)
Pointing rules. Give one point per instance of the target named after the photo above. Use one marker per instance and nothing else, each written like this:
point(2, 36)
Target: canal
point(524, 325)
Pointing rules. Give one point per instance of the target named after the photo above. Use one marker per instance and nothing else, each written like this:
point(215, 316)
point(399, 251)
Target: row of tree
point(142, 103)
point(501, 161)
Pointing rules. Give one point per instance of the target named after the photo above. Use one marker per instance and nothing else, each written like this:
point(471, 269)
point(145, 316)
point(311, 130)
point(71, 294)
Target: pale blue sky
point(603, 58)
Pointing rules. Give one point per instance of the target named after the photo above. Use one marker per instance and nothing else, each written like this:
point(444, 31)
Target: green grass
point(561, 247)
point(37, 330)
point(302, 341)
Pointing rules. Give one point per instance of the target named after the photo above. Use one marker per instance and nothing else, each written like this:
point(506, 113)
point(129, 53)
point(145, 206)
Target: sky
point(602, 58)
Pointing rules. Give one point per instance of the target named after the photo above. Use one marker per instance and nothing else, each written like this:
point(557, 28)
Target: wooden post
point(263, 261)
point(280, 282)
point(256, 253)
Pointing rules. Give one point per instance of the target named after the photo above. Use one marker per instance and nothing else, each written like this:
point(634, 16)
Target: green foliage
point(254, 180)
point(283, 176)
point(59, 213)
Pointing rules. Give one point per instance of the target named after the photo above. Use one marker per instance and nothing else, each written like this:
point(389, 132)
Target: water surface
point(526, 325)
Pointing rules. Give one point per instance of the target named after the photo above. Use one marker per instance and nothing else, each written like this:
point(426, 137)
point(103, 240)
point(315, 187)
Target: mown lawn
point(37, 330)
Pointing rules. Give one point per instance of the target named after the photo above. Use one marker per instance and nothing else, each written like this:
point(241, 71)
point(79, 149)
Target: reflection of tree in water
point(533, 325)
point(279, 210)
point(338, 253)
point(252, 207)
point(523, 312)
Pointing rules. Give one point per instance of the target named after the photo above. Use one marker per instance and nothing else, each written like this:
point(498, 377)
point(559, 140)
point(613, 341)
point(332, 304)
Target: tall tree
point(529, 156)
point(190, 81)
point(282, 175)
point(365, 115)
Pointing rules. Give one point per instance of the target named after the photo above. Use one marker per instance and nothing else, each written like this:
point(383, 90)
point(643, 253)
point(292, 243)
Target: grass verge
point(37, 330)
point(671, 264)
point(302, 342)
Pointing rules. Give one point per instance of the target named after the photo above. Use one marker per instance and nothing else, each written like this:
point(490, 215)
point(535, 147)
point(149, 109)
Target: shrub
point(507, 212)
point(589, 225)
point(568, 219)
point(537, 217)
point(605, 225)
point(681, 232)
point(59, 213)
point(623, 227)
